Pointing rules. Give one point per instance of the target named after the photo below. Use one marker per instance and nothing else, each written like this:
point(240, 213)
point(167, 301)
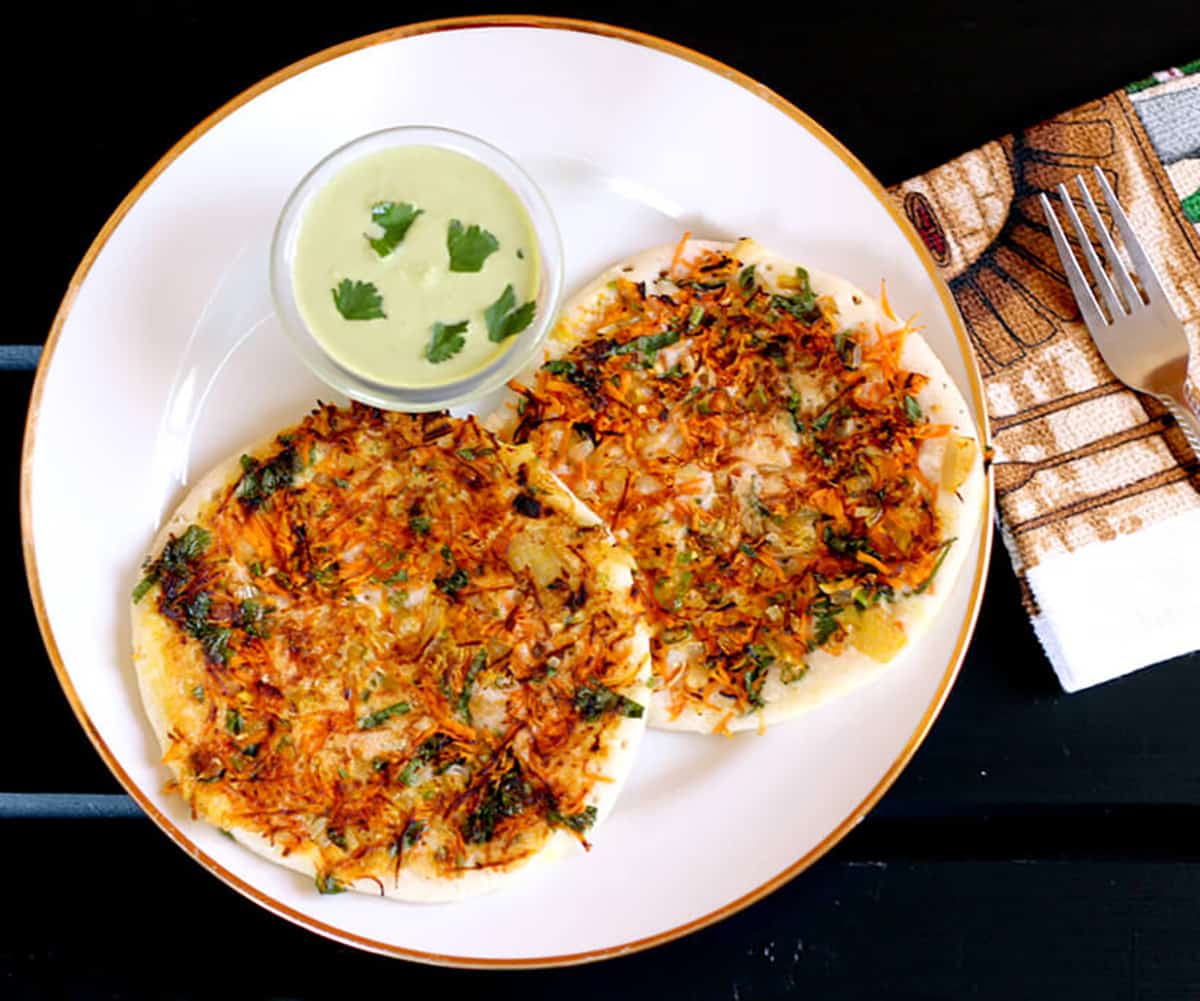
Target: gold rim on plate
point(424, 28)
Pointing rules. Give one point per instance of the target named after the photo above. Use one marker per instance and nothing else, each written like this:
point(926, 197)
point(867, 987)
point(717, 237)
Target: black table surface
point(1037, 846)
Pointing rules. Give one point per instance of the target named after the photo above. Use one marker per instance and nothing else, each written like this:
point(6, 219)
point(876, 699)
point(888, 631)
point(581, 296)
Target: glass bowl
point(386, 395)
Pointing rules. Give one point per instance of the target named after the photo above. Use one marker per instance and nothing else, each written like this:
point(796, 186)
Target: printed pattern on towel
point(1078, 458)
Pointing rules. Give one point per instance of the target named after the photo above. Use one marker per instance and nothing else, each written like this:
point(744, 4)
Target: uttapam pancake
point(792, 468)
point(392, 653)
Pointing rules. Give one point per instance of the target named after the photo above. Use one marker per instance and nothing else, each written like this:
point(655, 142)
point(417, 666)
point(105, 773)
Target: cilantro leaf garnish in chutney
point(400, 239)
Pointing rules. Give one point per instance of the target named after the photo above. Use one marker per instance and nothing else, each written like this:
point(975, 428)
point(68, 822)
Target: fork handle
point(1186, 418)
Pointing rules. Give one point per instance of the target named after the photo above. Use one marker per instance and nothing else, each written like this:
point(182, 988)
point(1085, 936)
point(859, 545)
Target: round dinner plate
point(166, 357)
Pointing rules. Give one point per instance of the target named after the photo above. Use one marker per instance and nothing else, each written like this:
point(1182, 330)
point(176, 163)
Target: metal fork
point(1140, 338)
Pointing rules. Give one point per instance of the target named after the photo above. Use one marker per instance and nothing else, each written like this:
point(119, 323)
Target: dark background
point(1038, 845)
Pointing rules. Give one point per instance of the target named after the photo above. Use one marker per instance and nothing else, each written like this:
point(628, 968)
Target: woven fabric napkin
point(1098, 495)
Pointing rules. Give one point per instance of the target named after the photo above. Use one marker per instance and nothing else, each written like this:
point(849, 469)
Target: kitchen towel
point(1098, 494)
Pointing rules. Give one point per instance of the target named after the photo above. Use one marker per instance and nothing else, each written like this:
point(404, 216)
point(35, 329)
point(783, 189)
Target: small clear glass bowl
point(417, 398)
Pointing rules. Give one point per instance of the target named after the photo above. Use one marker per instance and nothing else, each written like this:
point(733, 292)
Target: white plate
point(165, 358)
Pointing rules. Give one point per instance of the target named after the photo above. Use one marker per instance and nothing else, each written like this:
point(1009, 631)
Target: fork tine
point(1129, 292)
point(1133, 247)
point(1115, 308)
point(1083, 292)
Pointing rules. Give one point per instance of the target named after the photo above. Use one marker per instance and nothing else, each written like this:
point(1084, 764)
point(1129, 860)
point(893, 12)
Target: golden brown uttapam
point(392, 653)
point(793, 469)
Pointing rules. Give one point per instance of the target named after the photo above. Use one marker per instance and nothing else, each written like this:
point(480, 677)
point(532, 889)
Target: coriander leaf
point(175, 562)
point(192, 543)
point(394, 218)
point(420, 523)
point(802, 305)
point(495, 313)
point(446, 342)
point(478, 662)
point(213, 639)
point(195, 612)
point(509, 797)
point(578, 822)
point(753, 680)
point(261, 479)
point(215, 642)
point(469, 247)
point(843, 544)
point(358, 300)
point(647, 344)
point(804, 302)
point(454, 583)
point(745, 277)
point(426, 753)
point(793, 405)
point(560, 366)
point(143, 586)
point(826, 626)
point(328, 884)
point(372, 720)
point(518, 319)
point(594, 701)
point(912, 408)
point(253, 619)
point(503, 320)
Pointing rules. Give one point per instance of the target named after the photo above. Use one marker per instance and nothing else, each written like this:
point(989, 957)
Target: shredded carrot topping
point(404, 653)
point(758, 458)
